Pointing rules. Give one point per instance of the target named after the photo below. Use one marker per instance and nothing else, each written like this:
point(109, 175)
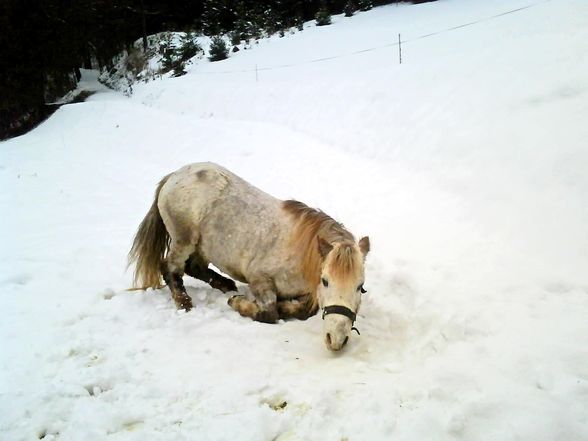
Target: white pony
point(294, 258)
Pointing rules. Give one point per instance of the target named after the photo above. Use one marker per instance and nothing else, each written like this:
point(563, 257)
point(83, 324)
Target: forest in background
point(44, 43)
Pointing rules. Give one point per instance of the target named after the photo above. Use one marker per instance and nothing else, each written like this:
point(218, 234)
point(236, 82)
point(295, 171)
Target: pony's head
point(332, 264)
point(340, 287)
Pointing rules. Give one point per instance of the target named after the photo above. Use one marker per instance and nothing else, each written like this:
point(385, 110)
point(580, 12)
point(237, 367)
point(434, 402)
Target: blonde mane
point(310, 225)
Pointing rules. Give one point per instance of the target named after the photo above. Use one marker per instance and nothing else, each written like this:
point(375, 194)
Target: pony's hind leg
point(264, 308)
point(198, 268)
point(173, 270)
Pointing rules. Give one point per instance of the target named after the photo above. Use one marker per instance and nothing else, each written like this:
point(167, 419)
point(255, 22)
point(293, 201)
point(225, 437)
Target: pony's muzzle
point(332, 344)
point(336, 330)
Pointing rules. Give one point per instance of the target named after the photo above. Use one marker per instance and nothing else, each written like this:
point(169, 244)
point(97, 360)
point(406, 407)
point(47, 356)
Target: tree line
point(44, 43)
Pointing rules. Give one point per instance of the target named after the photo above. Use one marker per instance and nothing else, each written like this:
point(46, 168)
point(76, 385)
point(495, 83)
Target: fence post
point(399, 50)
point(256, 78)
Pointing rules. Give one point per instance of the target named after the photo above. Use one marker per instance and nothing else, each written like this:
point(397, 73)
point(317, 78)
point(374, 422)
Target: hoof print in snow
point(93, 390)
point(276, 404)
point(132, 426)
point(43, 434)
point(108, 294)
point(280, 406)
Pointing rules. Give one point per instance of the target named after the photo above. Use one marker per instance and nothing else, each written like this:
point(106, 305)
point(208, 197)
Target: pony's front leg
point(264, 308)
point(299, 308)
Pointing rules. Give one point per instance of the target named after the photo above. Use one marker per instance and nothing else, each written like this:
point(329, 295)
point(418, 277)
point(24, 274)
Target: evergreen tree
point(365, 5)
point(218, 49)
point(323, 17)
point(188, 47)
point(349, 8)
point(218, 17)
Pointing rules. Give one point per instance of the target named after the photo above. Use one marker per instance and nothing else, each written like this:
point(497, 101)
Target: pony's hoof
point(269, 316)
point(184, 303)
point(233, 300)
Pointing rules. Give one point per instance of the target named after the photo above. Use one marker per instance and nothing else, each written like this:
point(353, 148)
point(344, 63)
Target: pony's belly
point(224, 262)
point(233, 273)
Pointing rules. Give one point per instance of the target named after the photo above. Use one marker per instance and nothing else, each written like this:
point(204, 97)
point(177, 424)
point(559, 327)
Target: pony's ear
point(364, 245)
point(324, 247)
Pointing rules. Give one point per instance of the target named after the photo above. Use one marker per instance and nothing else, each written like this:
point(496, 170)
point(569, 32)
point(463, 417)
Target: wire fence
point(375, 48)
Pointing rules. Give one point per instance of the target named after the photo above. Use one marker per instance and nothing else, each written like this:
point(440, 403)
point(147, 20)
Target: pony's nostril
point(328, 339)
point(345, 341)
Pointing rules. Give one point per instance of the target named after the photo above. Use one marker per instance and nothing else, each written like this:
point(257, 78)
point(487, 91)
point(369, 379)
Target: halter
point(343, 310)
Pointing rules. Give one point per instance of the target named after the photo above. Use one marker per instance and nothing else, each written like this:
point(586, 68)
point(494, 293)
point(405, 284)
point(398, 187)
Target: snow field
point(466, 167)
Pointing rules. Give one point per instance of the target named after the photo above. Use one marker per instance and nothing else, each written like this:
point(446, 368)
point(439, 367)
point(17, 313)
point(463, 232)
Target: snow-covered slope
point(466, 165)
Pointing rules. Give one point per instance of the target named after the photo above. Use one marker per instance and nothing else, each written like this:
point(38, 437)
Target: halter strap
point(339, 309)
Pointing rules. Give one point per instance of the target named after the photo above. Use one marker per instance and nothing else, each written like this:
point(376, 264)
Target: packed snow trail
point(466, 167)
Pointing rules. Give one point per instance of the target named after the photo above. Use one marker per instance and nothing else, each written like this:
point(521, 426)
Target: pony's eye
point(361, 289)
point(325, 282)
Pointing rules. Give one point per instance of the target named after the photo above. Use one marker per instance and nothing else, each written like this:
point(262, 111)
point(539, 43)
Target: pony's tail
point(149, 246)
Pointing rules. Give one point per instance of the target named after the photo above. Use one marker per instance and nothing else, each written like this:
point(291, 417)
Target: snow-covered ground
point(466, 165)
